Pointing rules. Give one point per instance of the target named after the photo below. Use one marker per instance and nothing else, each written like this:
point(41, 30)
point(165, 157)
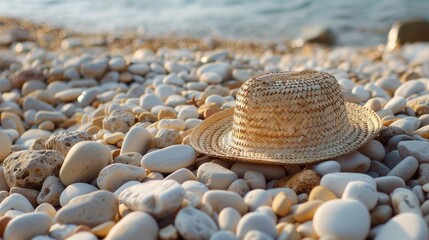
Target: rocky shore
point(95, 130)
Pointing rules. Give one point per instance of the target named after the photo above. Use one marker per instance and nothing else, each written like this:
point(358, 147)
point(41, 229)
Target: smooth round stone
point(240, 187)
point(381, 214)
point(191, 123)
point(404, 200)
point(17, 202)
point(255, 180)
point(194, 224)
point(306, 229)
point(125, 186)
point(374, 150)
point(173, 79)
point(29, 136)
point(361, 191)
point(186, 114)
point(289, 192)
point(214, 176)
point(408, 124)
point(228, 219)
point(114, 175)
point(182, 175)
point(135, 226)
point(270, 172)
point(214, 98)
point(82, 236)
point(169, 159)
point(148, 101)
point(388, 184)
point(326, 167)
point(388, 83)
point(361, 93)
point(417, 149)
point(281, 204)
point(139, 68)
point(5, 146)
point(221, 68)
point(396, 104)
point(164, 91)
point(137, 139)
point(27, 226)
point(46, 208)
point(337, 182)
point(321, 193)
point(75, 190)
point(255, 234)
point(409, 88)
point(223, 235)
point(195, 187)
point(305, 211)
point(84, 162)
point(177, 124)
point(257, 198)
point(220, 199)
point(68, 95)
point(157, 197)
point(211, 78)
point(403, 226)
point(405, 169)
point(90, 209)
point(342, 219)
point(117, 63)
point(256, 221)
point(354, 162)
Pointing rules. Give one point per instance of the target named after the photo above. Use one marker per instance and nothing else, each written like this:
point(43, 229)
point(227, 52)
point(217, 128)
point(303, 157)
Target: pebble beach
point(95, 141)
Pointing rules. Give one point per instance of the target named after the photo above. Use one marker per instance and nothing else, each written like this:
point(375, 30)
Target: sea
point(353, 22)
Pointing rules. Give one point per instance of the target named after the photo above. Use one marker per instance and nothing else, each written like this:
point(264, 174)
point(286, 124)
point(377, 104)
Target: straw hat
point(287, 118)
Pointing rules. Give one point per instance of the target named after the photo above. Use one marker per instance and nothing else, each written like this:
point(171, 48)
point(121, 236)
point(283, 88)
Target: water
point(354, 22)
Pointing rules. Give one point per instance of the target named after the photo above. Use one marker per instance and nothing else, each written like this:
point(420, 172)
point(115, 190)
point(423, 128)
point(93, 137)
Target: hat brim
point(213, 137)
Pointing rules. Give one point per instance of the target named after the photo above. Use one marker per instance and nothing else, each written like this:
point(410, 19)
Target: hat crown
point(284, 110)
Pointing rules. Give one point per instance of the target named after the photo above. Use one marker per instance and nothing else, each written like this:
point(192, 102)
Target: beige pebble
point(306, 229)
point(84, 162)
point(240, 187)
point(130, 158)
point(270, 172)
point(46, 208)
point(305, 211)
point(114, 175)
point(281, 204)
point(215, 176)
point(103, 229)
point(192, 223)
point(53, 116)
point(381, 214)
point(159, 198)
point(89, 209)
point(289, 192)
point(33, 223)
point(135, 226)
point(137, 140)
point(417, 149)
point(167, 137)
point(321, 193)
point(15, 201)
point(82, 236)
point(228, 219)
point(47, 125)
point(396, 104)
point(403, 226)
point(220, 199)
point(51, 191)
point(255, 180)
point(168, 233)
point(257, 198)
point(62, 231)
point(337, 182)
point(404, 200)
point(68, 95)
point(30, 194)
point(5, 147)
point(182, 175)
point(195, 187)
point(256, 221)
point(169, 159)
point(114, 138)
point(176, 124)
point(75, 190)
point(64, 140)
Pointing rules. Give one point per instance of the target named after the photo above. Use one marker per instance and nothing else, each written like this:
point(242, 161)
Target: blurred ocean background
point(354, 22)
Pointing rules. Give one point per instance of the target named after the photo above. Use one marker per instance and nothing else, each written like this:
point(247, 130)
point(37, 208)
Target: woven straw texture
point(287, 118)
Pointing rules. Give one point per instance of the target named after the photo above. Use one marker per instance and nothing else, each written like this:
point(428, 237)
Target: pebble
point(361, 191)
point(114, 175)
point(255, 180)
point(169, 159)
point(195, 187)
point(405, 169)
point(90, 209)
point(388, 184)
point(64, 140)
point(305, 211)
point(182, 175)
point(321, 193)
point(408, 124)
point(417, 149)
point(223, 235)
point(404, 200)
point(342, 219)
point(221, 68)
point(136, 140)
point(214, 176)
point(75, 190)
point(326, 167)
point(256, 221)
point(5, 147)
point(68, 95)
point(51, 191)
point(211, 78)
point(337, 182)
point(192, 223)
point(167, 137)
point(354, 162)
point(135, 226)
point(228, 219)
point(159, 198)
point(221, 199)
point(270, 172)
point(374, 150)
point(28, 169)
point(17, 202)
point(257, 198)
point(77, 168)
point(301, 182)
point(381, 214)
point(33, 223)
point(396, 104)
point(148, 101)
point(403, 226)
point(409, 88)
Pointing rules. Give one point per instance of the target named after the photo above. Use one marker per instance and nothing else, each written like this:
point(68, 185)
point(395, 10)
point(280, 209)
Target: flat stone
point(256, 221)
point(215, 176)
point(409, 88)
point(405, 169)
point(114, 175)
point(396, 104)
point(169, 159)
point(221, 68)
point(417, 149)
point(221, 199)
point(34, 224)
point(354, 162)
point(194, 224)
point(75, 190)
